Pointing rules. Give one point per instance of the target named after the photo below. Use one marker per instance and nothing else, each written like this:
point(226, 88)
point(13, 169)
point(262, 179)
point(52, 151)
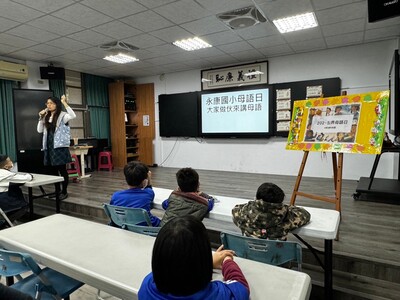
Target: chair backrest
point(273, 252)
point(15, 263)
point(126, 215)
point(147, 230)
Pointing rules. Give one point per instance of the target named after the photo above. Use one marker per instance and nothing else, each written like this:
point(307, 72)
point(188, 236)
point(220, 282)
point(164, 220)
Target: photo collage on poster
point(332, 124)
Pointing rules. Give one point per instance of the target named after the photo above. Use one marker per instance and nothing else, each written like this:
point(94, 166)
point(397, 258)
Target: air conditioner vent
point(118, 45)
point(242, 18)
point(12, 71)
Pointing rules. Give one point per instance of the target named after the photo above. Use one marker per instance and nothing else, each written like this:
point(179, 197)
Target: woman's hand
point(42, 113)
point(64, 101)
point(220, 256)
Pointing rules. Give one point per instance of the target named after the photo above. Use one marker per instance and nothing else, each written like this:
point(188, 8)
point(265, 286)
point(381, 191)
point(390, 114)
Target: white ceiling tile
point(26, 54)
point(342, 13)
point(182, 11)
point(4, 49)
point(344, 27)
point(220, 38)
point(91, 37)
point(147, 21)
point(344, 39)
point(15, 41)
point(107, 7)
point(221, 6)
point(382, 33)
point(154, 3)
point(31, 33)
point(17, 12)
point(162, 60)
point(46, 6)
point(276, 50)
point(208, 52)
point(310, 45)
point(55, 25)
point(172, 34)
point(303, 35)
point(268, 41)
point(324, 4)
point(143, 41)
point(165, 49)
point(205, 26)
point(235, 47)
point(95, 52)
point(285, 8)
point(117, 30)
point(49, 50)
point(384, 23)
point(198, 63)
point(75, 56)
point(222, 60)
point(248, 55)
point(6, 24)
point(144, 54)
point(82, 15)
point(68, 43)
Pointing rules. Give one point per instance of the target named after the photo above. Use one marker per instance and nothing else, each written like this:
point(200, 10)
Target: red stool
point(73, 168)
point(105, 161)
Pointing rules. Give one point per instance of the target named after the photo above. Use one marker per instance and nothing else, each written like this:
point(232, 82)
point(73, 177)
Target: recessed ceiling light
point(294, 23)
point(121, 58)
point(192, 44)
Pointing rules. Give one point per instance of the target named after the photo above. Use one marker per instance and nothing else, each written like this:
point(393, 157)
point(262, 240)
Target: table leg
point(328, 270)
point(30, 196)
point(83, 175)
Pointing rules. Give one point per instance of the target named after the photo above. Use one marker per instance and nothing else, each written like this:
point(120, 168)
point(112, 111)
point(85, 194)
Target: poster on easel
point(344, 124)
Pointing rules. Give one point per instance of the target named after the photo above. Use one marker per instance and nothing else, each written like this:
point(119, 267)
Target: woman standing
point(56, 138)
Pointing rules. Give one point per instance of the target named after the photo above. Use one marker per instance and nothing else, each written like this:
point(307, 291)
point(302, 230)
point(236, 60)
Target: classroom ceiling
point(68, 33)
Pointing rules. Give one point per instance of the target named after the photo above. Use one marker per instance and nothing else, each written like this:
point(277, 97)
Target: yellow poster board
point(346, 124)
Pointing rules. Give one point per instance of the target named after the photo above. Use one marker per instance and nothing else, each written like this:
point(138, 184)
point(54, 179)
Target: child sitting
point(267, 217)
point(182, 265)
point(140, 193)
point(12, 200)
point(187, 200)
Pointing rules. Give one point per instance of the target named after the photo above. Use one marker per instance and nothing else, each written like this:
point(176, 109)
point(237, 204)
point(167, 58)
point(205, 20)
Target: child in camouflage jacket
point(267, 217)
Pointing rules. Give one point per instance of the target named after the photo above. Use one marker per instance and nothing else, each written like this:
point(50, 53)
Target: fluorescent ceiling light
point(121, 58)
point(253, 73)
point(192, 44)
point(295, 23)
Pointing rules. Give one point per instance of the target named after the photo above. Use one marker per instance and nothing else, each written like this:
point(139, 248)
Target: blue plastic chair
point(273, 252)
point(147, 230)
point(43, 283)
point(120, 215)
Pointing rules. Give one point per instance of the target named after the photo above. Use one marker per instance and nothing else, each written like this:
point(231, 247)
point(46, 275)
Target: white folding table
point(116, 260)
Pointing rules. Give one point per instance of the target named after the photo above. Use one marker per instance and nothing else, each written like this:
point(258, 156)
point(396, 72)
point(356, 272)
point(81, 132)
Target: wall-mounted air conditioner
point(13, 71)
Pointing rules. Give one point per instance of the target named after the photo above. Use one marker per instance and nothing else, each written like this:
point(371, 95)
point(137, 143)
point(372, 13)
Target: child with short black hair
point(187, 200)
point(140, 193)
point(182, 266)
point(267, 217)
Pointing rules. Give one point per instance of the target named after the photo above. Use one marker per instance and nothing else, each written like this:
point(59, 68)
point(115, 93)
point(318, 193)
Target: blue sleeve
point(165, 204)
point(210, 203)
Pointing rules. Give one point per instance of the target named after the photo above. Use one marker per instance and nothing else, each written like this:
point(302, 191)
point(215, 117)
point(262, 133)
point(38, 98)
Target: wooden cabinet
point(132, 126)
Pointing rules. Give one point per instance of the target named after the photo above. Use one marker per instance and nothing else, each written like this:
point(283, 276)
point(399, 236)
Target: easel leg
point(334, 165)
point(298, 180)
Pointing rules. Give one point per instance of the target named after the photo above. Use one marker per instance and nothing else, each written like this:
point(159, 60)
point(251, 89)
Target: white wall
point(362, 68)
point(34, 82)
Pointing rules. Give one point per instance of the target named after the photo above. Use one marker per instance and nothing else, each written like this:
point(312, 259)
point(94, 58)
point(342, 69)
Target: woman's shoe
point(63, 196)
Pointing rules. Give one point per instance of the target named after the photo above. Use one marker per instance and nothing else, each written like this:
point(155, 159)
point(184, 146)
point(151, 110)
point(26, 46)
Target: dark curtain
point(95, 89)
point(7, 134)
point(57, 86)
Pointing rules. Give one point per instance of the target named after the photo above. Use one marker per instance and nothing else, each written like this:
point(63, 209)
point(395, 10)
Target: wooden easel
point(337, 177)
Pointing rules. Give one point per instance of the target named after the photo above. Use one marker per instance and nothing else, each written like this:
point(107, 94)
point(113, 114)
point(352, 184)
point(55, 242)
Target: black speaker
point(382, 9)
point(52, 73)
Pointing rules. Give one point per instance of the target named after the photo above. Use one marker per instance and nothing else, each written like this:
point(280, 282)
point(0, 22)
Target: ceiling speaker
point(242, 18)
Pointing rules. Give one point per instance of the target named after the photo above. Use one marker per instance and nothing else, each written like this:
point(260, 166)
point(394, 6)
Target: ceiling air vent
point(118, 45)
point(242, 18)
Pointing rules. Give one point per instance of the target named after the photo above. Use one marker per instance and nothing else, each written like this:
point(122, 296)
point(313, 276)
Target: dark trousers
point(60, 170)
point(13, 202)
